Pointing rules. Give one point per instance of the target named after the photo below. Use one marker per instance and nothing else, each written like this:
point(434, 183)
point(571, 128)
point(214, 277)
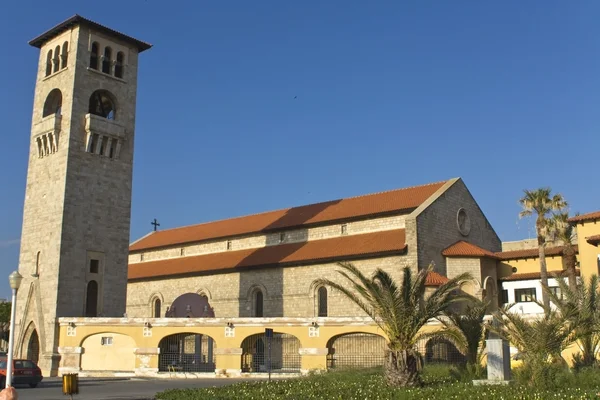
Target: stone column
point(498, 359)
point(229, 361)
point(146, 360)
point(313, 359)
point(70, 360)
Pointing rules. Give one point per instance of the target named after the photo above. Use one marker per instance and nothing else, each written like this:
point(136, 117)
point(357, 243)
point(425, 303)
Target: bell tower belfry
point(76, 218)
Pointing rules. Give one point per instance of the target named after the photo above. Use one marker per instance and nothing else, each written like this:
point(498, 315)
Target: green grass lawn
point(362, 385)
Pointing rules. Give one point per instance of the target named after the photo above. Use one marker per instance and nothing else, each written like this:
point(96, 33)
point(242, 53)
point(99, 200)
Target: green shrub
point(360, 385)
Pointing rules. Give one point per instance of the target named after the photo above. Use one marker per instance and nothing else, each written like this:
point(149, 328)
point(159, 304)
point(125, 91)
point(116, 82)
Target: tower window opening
point(49, 63)
point(102, 145)
point(56, 58)
point(64, 55)
point(101, 104)
point(53, 103)
point(94, 266)
point(106, 60)
point(113, 148)
point(91, 304)
point(45, 145)
point(119, 65)
point(258, 303)
point(93, 142)
point(39, 144)
point(94, 56)
point(322, 301)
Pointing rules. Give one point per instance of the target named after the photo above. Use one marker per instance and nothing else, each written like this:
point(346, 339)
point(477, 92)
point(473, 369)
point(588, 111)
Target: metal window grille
point(440, 351)
point(356, 350)
point(187, 352)
point(285, 353)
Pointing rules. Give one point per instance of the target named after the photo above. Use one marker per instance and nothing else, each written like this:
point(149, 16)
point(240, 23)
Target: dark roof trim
point(78, 19)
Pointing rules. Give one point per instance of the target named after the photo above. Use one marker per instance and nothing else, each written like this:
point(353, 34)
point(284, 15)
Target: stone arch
point(285, 353)
point(490, 292)
point(187, 352)
point(103, 104)
point(30, 348)
point(53, 103)
point(156, 296)
point(108, 351)
point(256, 296)
point(356, 350)
point(204, 292)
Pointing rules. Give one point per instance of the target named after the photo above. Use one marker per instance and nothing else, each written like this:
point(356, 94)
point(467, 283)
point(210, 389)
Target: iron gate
point(285, 353)
point(440, 351)
point(186, 352)
point(356, 350)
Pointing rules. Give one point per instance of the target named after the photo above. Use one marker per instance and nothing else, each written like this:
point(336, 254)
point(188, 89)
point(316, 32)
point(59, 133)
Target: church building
point(201, 298)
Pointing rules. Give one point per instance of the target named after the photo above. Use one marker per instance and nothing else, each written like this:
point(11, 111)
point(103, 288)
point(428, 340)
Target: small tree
point(5, 309)
point(470, 325)
point(400, 310)
point(580, 310)
point(542, 203)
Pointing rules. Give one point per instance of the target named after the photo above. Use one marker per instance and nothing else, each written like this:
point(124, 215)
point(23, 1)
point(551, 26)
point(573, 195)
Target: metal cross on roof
point(155, 223)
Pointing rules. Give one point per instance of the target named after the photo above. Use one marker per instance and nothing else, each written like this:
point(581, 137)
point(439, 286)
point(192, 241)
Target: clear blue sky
point(505, 95)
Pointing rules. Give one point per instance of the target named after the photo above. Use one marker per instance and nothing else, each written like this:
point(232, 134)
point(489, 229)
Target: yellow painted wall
point(588, 254)
point(117, 356)
point(525, 265)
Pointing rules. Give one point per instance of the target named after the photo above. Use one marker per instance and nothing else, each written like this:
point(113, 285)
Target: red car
point(24, 372)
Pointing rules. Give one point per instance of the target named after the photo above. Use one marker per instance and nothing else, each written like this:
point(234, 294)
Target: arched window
point(107, 60)
point(64, 55)
point(102, 104)
point(119, 65)
point(56, 58)
point(258, 303)
point(322, 301)
point(157, 305)
point(49, 63)
point(94, 56)
point(91, 299)
point(53, 103)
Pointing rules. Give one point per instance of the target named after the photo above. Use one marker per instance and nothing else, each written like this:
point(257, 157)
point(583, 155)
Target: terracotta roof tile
point(435, 279)
point(595, 240)
point(586, 217)
point(466, 249)
point(378, 203)
point(531, 253)
point(536, 275)
point(325, 250)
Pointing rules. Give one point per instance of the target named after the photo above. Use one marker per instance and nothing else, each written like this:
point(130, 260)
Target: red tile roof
point(325, 250)
point(532, 253)
point(595, 240)
point(536, 275)
point(395, 201)
point(466, 249)
point(435, 279)
point(586, 217)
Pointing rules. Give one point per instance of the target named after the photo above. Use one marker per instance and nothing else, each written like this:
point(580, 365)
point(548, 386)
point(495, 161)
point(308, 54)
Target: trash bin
point(70, 384)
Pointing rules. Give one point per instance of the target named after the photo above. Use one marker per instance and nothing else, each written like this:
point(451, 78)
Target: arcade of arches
point(188, 339)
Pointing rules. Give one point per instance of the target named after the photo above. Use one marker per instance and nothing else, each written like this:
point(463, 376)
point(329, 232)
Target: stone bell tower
point(76, 218)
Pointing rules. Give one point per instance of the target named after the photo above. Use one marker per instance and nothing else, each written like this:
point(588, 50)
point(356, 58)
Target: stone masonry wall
point(286, 290)
point(437, 226)
point(262, 240)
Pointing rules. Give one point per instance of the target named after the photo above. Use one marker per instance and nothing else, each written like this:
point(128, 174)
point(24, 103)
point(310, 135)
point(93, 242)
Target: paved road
point(116, 389)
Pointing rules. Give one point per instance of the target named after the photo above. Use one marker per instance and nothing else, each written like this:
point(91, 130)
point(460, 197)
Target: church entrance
point(33, 347)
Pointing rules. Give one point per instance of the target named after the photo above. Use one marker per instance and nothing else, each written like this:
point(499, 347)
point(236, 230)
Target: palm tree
point(540, 340)
point(562, 230)
point(400, 310)
point(580, 309)
point(542, 203)
point(470, 324)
